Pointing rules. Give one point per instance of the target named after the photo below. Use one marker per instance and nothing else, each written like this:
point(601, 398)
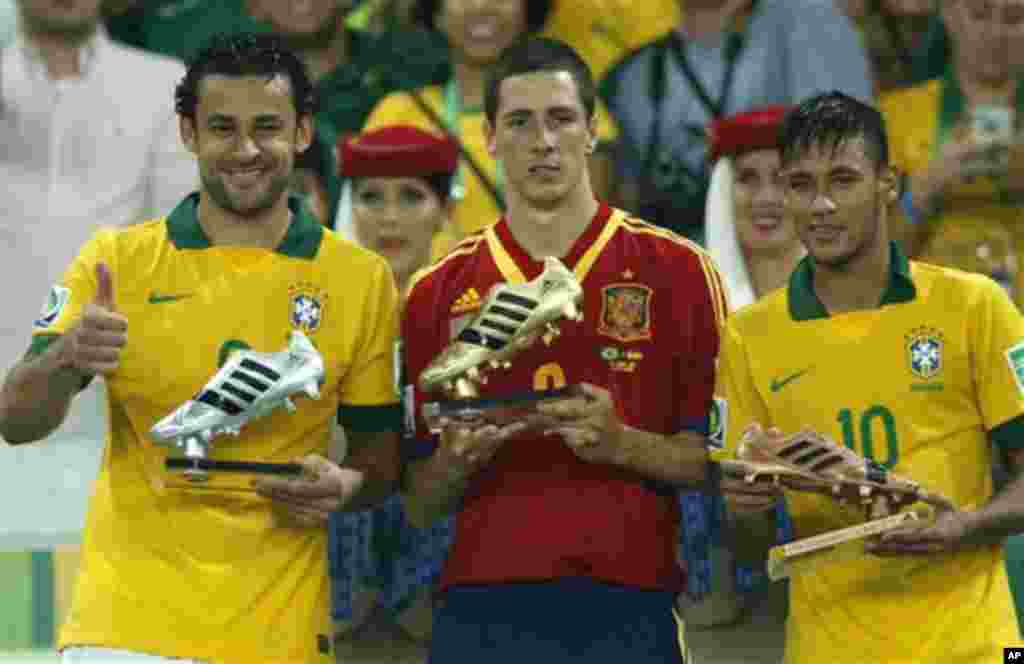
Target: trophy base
point(805, 555)
point(499, 411)
point(196, 474)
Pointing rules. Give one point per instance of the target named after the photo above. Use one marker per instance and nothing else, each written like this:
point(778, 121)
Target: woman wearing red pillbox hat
point(400, 181)
point(755, 246)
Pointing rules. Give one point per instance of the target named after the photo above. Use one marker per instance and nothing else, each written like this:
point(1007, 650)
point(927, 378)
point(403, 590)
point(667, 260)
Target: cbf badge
point(55, 302)
point(307, 306)
point(625, 312)
point(924, 352)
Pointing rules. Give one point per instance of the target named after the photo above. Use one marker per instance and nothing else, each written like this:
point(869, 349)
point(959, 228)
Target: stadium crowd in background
point(91, 140)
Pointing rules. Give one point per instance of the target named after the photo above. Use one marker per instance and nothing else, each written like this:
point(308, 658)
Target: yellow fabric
point(477, 209)
point(849, 377)
point(210, 574)
point(605, 31)
point(972, 213)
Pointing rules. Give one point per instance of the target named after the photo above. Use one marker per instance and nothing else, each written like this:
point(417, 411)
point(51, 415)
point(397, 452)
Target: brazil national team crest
point(307, 305)
point(54, 305)
point(626, 312)
point(924, 352)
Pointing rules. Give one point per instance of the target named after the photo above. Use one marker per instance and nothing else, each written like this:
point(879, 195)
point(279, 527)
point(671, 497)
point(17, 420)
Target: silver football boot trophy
point(809, 462)
point(249, 386)
point(512, 318)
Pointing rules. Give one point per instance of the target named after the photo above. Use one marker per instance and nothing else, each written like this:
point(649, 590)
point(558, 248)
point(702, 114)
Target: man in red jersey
point(565, 541)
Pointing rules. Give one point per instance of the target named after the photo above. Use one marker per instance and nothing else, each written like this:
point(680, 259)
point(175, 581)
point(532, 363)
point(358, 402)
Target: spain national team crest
point(924, 352)
point(307, 305)
point(626, 312)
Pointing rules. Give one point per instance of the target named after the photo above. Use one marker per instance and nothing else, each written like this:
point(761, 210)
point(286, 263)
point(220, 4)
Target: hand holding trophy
point(512, 318)
point(807, 461)
point(249, 386)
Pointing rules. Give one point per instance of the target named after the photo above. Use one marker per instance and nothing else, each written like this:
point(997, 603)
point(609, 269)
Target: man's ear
point(592, 128)
point(889, 185)
point(304, 133)
point(187, 131)
point(490, 136)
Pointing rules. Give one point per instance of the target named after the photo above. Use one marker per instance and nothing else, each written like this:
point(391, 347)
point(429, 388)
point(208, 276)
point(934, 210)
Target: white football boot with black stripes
point(248, 386)
point(512, 317)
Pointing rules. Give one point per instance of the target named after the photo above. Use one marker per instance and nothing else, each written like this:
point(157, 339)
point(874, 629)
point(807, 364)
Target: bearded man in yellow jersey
point(155, 309)
point(916, 367)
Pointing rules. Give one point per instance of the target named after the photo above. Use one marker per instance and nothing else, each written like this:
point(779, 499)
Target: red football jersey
point(653, 307)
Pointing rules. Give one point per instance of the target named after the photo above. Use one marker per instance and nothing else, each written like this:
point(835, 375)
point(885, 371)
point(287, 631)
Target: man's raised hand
point(94, 344)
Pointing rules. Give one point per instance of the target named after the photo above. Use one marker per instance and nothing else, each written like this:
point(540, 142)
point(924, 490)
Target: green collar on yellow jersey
point(301, 241)
point(805, 305)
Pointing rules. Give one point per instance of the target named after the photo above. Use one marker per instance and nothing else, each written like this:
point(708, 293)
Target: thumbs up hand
point(93, 346)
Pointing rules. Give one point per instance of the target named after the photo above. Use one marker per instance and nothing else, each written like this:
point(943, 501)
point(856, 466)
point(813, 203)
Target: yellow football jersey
point(478, 208)
point(211, 575)
point(916, 385)
point(605, 31)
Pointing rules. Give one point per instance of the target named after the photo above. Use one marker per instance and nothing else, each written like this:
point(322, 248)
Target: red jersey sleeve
point(423, 339)
point(703, 308)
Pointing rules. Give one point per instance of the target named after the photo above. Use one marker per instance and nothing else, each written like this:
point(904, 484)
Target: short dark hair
point(829, 119)
point(537, 12)
point(245, 54)
point(439, 183)
point(537, 54)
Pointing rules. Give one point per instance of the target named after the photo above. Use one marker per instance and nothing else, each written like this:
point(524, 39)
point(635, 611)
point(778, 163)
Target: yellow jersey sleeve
point(77, 288)
point(996, 331)
point(370, 381)
point(736, 404)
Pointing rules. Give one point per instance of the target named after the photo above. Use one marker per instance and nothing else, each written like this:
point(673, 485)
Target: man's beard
point(218, 191)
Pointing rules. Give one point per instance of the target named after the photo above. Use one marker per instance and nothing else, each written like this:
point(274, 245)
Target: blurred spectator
point(756, 249)
point(177, 28)
point(725, 56)
point(401, 179)
point(8, 21)
point(958, 138)
point(477, 32)
point(353, 70)
point(605, 31)
point(90, 139)
point(315, 179)
point(893, 31)
point(754, 245)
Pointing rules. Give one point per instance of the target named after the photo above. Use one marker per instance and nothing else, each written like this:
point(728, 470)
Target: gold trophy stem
point(805, 555)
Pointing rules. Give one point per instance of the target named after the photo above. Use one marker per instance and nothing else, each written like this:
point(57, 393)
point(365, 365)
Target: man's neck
point(770, 270)
point(857, 286)
point(470, 78)
point(62, 56)
point(552, 232)
point(703, 20)
point(322, 61)
point(225, 228)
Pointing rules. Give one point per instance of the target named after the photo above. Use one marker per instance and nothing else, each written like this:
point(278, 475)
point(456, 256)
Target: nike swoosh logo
point(157, 298)
point(779, 383)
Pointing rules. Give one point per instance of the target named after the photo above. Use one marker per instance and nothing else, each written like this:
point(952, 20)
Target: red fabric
point(537, 512)
point(398, 151)
point(753, 130)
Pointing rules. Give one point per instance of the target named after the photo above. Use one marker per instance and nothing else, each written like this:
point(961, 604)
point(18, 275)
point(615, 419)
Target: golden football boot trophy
point(513, 317)
point(809, 462)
